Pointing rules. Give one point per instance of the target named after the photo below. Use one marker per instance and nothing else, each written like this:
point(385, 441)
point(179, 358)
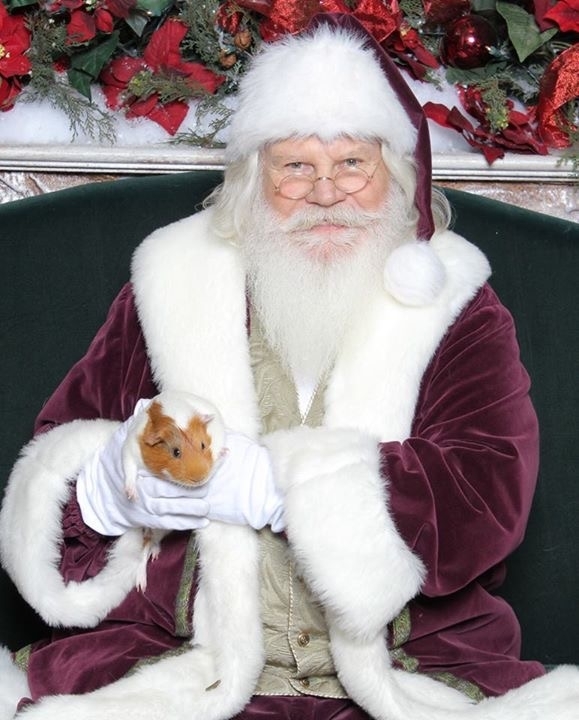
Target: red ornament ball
point(467, 42)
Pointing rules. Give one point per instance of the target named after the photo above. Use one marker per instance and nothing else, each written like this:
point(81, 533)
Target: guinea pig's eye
point(176, 452)
point(202, 445)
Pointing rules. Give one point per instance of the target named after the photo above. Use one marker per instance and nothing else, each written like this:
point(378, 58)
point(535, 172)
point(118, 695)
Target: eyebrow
point(357, 150)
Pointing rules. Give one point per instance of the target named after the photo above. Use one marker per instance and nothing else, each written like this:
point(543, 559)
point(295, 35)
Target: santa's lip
point(328, 228)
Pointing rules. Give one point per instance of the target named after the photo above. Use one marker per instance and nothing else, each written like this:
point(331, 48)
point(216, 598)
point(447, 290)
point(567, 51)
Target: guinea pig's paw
point(131, 491)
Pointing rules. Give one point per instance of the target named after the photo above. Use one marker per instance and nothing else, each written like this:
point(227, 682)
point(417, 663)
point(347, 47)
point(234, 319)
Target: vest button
point(303, 639)
point(304, 682)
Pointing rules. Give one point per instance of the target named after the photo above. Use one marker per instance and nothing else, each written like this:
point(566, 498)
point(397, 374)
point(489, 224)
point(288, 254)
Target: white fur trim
point(365, 671)
point(377, 377)
point(339, 527)
point(554, 696)
point(414, 274)
point(31, 533)
point(358, 567)
point(214, 680)
point(388, 694)
point(200, 345)
point(327, 84)
point(13, 685)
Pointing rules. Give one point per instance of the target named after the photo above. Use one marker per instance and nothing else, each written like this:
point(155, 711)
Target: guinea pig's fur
point(181, 454)
point(177, 437)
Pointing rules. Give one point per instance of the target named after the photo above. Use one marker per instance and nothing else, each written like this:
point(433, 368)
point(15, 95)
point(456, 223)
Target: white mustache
point(308, 218)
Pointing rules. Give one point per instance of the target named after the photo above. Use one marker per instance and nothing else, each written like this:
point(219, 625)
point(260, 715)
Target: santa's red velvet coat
point(420, 481)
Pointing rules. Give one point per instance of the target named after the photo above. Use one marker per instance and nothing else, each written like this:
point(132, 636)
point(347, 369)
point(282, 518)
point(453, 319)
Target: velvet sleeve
point(461, 485)
point(105, 383)
point(113, 374)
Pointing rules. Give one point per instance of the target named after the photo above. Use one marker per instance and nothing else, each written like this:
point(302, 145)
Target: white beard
point(306, 303)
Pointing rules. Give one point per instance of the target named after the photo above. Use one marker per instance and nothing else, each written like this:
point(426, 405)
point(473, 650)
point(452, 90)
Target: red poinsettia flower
point(540, 9)
point(83, 26)
point(116, 77)
point(162, 55)
point(559, 86)
point(407, 46)
point(14, 43)
point(565, 14)
point(9, 91)
point(516, 133)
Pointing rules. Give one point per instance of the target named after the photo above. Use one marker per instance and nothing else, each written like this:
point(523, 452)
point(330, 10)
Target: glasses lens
point(351, 180)
point(295, 187)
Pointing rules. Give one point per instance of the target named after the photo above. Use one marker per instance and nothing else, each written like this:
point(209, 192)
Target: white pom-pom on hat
point(414, 274)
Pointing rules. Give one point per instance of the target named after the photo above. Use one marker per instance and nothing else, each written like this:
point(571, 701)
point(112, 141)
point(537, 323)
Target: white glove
point(241, 489)
point(160, 504)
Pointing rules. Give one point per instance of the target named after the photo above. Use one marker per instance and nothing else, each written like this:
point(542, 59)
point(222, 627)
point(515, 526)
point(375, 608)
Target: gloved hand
point(241, 489)
point(160, 504)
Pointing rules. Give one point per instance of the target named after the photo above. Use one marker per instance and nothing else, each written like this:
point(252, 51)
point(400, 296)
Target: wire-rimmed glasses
point(348, 180)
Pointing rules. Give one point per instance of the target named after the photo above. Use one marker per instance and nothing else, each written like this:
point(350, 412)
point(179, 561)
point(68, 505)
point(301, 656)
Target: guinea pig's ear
point(152, 437)
point(159, 427)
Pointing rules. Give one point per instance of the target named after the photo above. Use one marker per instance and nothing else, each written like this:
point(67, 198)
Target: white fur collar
point(190, 293)
point(376, 379)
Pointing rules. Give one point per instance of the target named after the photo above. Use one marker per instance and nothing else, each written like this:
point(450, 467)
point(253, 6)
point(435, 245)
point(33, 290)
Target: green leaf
point(92, 61)
point(455, 76)
point(137, 22)
point(80, 81)
point(20, 3)
point(154, 7)
point(479, 6)
point(523, 30)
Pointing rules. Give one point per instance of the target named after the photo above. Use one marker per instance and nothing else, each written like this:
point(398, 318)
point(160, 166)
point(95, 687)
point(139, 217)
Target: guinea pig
point(178, 437)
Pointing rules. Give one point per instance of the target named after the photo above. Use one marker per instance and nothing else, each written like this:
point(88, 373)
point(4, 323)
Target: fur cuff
point(31, 532)
point(338, 524)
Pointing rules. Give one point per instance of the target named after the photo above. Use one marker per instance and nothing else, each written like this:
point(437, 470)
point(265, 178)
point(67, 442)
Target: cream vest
point(298, 658)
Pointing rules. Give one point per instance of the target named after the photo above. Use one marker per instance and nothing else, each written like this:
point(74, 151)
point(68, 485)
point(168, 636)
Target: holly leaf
point(523, 30)
point(80, 81)
point(85, 67)
point(92, 61)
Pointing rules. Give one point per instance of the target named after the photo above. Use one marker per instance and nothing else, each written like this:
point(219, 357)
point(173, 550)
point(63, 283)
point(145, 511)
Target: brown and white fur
point(178, 437)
